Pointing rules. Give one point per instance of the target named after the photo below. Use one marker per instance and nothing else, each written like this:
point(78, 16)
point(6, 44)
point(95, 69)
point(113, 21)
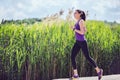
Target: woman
point(81, 43)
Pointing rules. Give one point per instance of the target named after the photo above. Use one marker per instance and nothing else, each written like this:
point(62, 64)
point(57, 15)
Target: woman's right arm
point(72, 27)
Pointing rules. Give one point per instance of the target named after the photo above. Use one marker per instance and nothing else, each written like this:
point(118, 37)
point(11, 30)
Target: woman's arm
point(82, 28)
point(72, 27)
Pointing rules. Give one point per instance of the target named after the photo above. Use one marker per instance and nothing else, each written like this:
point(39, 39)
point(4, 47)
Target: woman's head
point(79, 14)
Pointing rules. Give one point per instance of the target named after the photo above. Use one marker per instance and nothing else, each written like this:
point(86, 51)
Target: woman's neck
point(78, 19)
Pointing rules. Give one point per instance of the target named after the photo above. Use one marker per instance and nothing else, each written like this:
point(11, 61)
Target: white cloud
point(19, 15)
point(104, 9)
point(11, 13)
point(75, 4)
point(37, 5)
point(118, 20)
point(2, 13)
point(20, 5)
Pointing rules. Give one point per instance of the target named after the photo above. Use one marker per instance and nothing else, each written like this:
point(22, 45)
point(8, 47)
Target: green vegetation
point(24, 21)
point(42, 51)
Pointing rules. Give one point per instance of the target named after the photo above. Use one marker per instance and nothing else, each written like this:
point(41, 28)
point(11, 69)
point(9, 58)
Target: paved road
point(107, 77)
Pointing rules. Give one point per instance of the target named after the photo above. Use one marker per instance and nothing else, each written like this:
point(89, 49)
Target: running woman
point(81, 43)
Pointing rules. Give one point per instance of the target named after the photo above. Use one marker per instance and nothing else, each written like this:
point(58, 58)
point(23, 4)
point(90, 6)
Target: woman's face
point(76, 15)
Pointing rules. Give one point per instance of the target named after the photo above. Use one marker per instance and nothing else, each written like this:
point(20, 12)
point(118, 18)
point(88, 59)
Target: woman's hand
point(72, 27)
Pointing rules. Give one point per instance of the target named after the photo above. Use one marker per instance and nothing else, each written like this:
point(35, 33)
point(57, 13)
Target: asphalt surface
point(107, 77)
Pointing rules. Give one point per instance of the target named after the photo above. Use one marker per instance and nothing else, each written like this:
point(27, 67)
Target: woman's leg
point(75, 50)
point(85, 51)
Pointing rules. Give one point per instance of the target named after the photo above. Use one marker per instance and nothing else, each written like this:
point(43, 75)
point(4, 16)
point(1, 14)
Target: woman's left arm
point(82, 27)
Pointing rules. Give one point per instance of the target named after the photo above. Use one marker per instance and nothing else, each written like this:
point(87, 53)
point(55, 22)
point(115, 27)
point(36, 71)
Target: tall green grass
point(42, 51)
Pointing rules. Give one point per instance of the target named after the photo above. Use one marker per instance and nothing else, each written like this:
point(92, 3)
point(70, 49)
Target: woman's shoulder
point(81, 21)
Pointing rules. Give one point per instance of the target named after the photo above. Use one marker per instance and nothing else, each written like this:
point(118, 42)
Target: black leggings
point(75, 51)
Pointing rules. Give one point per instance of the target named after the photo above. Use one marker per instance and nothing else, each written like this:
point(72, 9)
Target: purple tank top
point(78, 36)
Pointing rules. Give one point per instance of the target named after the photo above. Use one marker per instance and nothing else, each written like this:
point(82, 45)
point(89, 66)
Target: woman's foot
point(100, 74)
point(75, 77)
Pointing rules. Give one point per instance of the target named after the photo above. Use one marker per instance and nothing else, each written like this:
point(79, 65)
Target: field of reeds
point(41, 51)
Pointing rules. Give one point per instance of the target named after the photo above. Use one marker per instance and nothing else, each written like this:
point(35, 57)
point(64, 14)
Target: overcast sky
point(19, 9)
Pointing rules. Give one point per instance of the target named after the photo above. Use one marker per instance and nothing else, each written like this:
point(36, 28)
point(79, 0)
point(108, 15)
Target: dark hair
point(83, 16)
